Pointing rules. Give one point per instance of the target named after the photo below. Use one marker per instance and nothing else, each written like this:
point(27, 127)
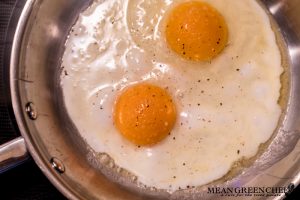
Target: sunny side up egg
point(223, 94)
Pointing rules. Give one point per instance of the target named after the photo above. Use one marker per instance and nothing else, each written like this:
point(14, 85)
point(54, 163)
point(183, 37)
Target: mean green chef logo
point(251, 191)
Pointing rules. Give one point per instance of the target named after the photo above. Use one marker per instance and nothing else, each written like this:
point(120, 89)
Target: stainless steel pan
point(70, 165)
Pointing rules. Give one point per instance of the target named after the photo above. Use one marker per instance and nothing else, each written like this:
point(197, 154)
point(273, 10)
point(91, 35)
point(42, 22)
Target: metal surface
point(31, 111)
point(57, 165)
point(34, 77)
point(12, 153)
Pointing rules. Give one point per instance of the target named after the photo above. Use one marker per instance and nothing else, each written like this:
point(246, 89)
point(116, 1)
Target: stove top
point(7, 128)
point(25, 181)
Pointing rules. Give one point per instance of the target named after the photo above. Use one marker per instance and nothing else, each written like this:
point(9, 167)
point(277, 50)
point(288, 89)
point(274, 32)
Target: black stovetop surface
point(25, 181)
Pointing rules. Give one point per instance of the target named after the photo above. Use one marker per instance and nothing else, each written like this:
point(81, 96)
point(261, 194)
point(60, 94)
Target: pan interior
point(106, 164)
point(54, 135)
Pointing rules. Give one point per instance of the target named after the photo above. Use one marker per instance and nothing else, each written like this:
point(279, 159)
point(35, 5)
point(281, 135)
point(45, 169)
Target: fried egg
point(215, 65)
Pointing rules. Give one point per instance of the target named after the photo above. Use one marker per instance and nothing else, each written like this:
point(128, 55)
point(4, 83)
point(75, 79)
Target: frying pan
point(78, 172)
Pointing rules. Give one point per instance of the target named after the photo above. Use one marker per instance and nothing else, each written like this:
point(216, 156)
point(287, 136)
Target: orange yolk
point(145, 114)
point(196, 31)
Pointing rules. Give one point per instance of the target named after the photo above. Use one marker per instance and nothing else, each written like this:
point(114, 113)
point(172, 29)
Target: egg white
point(226, 107)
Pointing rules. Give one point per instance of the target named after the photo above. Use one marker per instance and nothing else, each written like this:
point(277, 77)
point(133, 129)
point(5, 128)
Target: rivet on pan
point(290, 189)
point(31, 110)
point(57, 165)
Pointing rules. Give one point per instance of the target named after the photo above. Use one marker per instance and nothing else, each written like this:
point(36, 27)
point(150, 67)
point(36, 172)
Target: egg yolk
point(145, 114)
point(196, 31)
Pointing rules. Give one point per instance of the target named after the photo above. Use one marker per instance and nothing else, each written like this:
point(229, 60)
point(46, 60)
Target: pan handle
point(12, 154)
